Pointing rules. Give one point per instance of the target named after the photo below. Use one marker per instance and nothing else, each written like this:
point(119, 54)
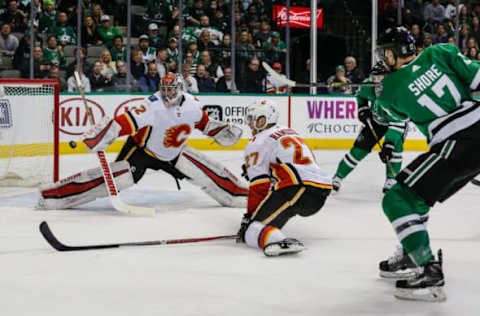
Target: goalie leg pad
point(213, 178)
point(83, 187)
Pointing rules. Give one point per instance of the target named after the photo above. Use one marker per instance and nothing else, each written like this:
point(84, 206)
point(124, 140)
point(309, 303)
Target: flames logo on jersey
point(172, 135)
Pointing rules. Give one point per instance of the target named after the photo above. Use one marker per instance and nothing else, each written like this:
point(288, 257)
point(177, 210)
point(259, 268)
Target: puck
point(72, 144)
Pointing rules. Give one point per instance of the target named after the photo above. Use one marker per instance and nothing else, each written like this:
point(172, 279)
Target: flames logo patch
point(172, 135)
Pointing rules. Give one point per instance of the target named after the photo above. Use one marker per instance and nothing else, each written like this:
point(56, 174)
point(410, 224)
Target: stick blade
point(128, 209)
point(272, 72)
point(50, 237)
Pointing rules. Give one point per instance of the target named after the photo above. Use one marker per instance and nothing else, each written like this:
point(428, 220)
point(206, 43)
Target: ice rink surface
point(336, 275)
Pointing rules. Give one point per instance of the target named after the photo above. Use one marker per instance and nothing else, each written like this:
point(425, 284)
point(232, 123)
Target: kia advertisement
point(299, 16)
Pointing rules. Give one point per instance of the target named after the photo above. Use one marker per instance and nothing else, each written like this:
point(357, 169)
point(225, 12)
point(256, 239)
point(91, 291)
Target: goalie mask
point(171, 89)
point(261, 108)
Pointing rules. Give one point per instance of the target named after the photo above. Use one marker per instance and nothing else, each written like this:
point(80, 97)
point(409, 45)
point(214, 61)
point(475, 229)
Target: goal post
point(29, 131)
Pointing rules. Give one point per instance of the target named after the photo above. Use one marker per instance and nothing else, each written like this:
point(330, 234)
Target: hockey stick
point(112, 190)
point(292, 83)
point(475, 181)
point(389, 164)
point(55, 243)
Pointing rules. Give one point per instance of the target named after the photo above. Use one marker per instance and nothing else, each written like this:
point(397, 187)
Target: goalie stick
point(112, 190)
point(292, 83)
point(55, 243)
point(475, 181)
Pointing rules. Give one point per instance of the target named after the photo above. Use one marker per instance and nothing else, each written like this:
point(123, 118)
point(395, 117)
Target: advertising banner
point(299, 16)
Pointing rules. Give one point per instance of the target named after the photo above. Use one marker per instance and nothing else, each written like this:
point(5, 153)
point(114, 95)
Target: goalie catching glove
point(101, 135)
point(225, 134)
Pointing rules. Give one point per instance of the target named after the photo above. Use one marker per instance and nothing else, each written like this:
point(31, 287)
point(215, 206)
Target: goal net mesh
point(26, 133)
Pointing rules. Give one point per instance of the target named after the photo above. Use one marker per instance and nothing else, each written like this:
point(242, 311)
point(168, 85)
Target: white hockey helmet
point(171, 88)
point(259, 108)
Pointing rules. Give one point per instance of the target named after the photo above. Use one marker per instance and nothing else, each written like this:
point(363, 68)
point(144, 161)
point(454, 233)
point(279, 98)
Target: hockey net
point(28, 132)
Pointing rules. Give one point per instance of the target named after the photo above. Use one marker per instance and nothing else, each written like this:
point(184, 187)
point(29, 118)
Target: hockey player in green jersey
point(432, 90)
point(394, 133)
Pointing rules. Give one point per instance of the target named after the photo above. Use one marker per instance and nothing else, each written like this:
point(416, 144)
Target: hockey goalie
point(158, 129)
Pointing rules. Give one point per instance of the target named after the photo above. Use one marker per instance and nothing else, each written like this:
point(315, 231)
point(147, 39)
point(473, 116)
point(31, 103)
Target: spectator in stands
point(252, 18)
point(193, 48)
point(441, 36)
point(211, 9)
point(72, 84)
point(156, 10)
point(353, 72)
point(417, 35)
point(149, 53)
point(90, 35)
point(464, 36)
point(48, 17)
point(8, 42)
point(171, 66)
point(54, 52)
point(451, 9)
point(151, 80)
point(197, 11)
point(244, 53)
point(97, 14)
point(22, 53)
point(204, 41)
point(14, 17)
point(225, 83)
point(85, 64)
point(427, 40)
point(108, 65)
point(98, 82)
point(107, 32)
point(137, 67)
point(214, 70)
point(216, 35)
point(263, 35)
point(54, 74)
point(434, 14)
point(161, 61)
point(339, 76)
point(451, 40)
point(154, 38)
point(472, 53)
point(275, 48)
point(118, 51)
point(64, 33)
point(190, 63)
point(220, 21)
point(190, 81)
point(254, 79)
point(40, 66)
point(87, 7)
point(475, 29)
point(119, 80)
point(172, 49)
point(225, 51)
point(204, 81)
point(463, 16)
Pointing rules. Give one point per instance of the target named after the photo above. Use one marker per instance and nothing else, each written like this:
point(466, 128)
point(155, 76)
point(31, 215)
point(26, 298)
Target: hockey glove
point(387, 152)
point(225, 134)
point(244, 172)
point(101, 135)
point(243, 227)
point(364, 114)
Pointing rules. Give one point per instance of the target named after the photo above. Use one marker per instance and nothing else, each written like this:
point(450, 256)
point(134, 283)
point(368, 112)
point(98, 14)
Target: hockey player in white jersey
point(158, 129)
point(285, 181)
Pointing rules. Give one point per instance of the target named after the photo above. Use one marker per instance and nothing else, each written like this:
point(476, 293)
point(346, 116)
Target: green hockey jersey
point(433, 91)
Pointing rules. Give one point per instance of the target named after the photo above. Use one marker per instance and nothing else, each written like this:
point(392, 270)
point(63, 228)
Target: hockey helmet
point(171, 88)
point(379, 70)
point(397, 39)
point(262, 107)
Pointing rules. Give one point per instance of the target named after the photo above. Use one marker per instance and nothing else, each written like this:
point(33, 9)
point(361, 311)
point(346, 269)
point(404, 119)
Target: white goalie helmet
point(259, 108)
point(171, 88)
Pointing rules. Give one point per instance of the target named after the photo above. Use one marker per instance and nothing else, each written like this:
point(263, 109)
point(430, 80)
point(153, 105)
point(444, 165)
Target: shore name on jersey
point(425, 80)
point(283, 132)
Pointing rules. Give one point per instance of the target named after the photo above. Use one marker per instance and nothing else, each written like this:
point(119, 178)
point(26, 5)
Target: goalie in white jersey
point(285, 181)
point(158, 129)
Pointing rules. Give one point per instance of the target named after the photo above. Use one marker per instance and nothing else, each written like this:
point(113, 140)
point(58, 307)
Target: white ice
point(336, 275)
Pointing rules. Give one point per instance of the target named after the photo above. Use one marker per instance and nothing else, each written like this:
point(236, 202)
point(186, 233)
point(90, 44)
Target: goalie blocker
point(212, 177)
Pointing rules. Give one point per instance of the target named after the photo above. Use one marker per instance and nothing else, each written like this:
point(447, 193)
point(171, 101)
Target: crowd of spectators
point(205, 41)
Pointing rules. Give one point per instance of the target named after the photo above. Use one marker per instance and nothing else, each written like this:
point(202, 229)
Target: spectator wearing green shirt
point(64, 33)
point(54, 52)
point(118, 51)
point(107, 32)
point(274, 48)
point(48, 18)
point(149, 53)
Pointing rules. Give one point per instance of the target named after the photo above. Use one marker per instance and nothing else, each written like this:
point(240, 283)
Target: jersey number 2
point(297, 143)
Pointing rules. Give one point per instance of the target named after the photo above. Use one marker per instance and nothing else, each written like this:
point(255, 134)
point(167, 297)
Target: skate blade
point(406, 274)
point(276, 250)
point(430, 294)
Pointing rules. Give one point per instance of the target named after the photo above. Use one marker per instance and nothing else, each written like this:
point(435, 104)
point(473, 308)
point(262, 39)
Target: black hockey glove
point(243, 227)
point(244, 172)
point(387, 152)
point(364, 114)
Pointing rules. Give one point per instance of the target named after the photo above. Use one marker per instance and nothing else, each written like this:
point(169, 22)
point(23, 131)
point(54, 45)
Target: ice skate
point(284, 247)
point(336, 183)
point(428, 286)
point(388, 184)
point(399, 266)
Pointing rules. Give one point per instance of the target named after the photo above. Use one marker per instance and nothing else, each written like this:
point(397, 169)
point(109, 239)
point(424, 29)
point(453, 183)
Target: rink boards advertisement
point(324, 121)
